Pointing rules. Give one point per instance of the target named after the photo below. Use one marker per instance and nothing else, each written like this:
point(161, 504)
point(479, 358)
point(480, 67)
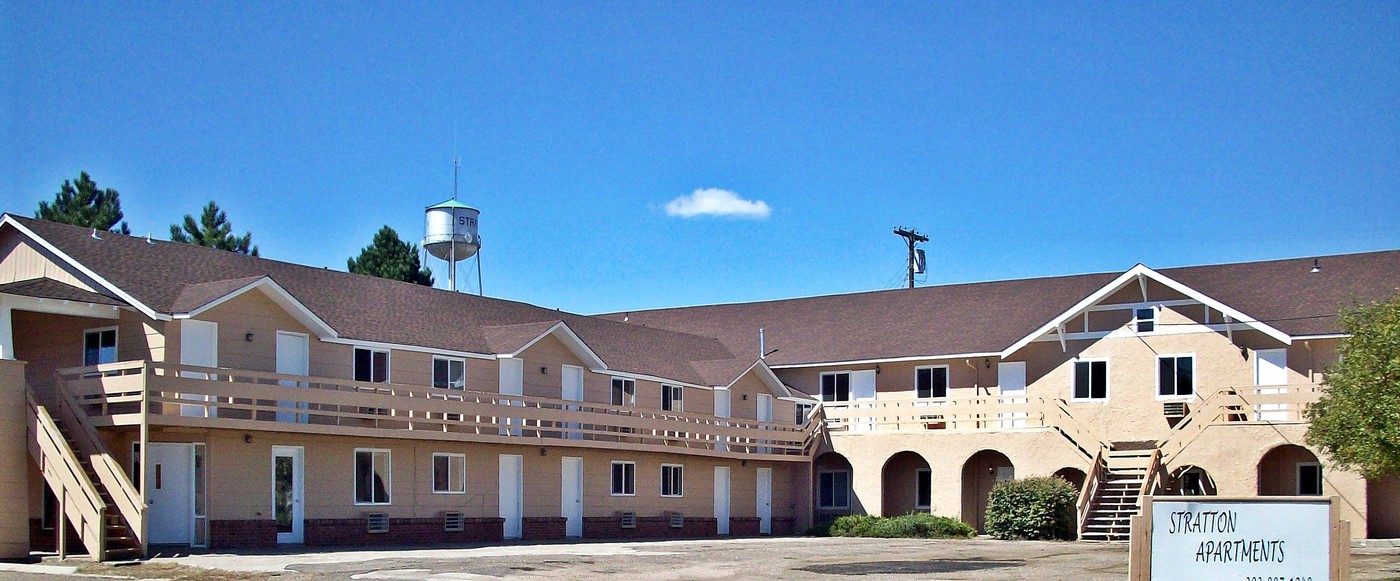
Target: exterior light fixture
point(248, 337)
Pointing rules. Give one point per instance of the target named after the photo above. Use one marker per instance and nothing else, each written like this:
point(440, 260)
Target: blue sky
point(1025, 139)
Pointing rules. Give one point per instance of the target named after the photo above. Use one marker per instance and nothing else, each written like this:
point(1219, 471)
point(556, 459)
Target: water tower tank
point(451, 225)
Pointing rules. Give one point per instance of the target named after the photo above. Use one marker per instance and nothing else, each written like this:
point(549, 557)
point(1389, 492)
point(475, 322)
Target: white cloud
point(717, 202)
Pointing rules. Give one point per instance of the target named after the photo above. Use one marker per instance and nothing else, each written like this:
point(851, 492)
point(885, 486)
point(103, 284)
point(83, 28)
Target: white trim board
point(278, 295)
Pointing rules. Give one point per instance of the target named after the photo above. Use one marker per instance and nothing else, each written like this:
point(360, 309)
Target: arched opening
point(831, 484)
point(1074, 476)
point(1191, 481)
point(1290, 470)
point(906, 483)
point(979, 474)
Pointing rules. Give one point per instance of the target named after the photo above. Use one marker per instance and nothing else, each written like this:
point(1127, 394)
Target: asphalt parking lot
point(777, 558)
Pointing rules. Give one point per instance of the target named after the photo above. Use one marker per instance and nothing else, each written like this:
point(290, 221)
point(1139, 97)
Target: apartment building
point(181, 395)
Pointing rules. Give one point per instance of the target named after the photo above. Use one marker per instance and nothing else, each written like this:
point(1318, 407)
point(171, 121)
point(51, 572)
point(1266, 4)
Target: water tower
point(451, 235)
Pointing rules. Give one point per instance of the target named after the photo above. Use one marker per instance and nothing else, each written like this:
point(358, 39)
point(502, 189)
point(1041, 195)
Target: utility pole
point(911, 237)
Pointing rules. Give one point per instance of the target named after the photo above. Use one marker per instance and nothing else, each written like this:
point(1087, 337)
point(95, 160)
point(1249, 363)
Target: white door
point(169, 482)
point(293, 358)
point(1271, 367)
point(288, 493)
point(863, 389)
point(510, 494)
point(512, 383)
point(722, 499)
point(765, 414)
point(722, 411)
point(571, 495)
point(1011, 376)
point(572, 390)
point(764, 501)
point(199, 346)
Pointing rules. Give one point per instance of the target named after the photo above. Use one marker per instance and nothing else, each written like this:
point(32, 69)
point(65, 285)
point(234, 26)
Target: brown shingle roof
point(46, 288)
point(169, 277)
point(988, 317)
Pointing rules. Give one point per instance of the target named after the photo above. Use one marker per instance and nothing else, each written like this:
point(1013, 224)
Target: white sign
point(1240, 540)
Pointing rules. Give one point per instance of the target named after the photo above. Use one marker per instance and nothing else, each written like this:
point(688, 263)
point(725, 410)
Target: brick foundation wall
point(743, 526)
point(784, 525)
point(402, 531)
point(541, 528)
point(242, 534)
point(648, 527)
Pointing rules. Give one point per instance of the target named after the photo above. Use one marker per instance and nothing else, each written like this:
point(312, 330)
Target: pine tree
point(213, 230)
point(389, 257)
point(80, 203)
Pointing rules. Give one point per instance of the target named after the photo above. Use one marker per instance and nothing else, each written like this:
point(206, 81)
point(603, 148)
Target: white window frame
point(388, 364)
point(388, 480)
point(1155, 321)
point(1298, 478)
point(450, 361)
point(677, 397)
point(821, 506)
point(1195, 377)
point(116, 344)
point(1107, 380)
point(628, 466)
point(629, 397)
point(947, 382)
point(461, 471)
point(801, 412)
point(676, 480)
point(821, 381)
point(918, 474)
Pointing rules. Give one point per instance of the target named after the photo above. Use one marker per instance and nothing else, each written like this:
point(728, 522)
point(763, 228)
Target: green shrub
point(1032, 508)
point(821, 529)
point(909, 526)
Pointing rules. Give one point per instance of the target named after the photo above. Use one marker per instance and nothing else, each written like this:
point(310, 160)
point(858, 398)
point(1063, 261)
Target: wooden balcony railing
point(1271, 404)
point(165, 394)
point(907, 413)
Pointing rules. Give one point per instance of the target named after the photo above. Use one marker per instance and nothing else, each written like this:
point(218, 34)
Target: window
point(449, 473)
point(372, 481)
point(624, 391)
point(624, 478)
point(671, 398)
point(1309, 479)
point(1090, 380)
point(672, 477)
point(1176, 376)
point(371, 365)
point(834, 489)
point(836, 386)
point(100, 346)
point(931, 381)
point(1145, 319)
point(803, 409)
point(449, 373)
point(923, 488)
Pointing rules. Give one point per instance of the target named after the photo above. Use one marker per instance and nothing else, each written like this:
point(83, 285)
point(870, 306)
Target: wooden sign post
point(1257, 538)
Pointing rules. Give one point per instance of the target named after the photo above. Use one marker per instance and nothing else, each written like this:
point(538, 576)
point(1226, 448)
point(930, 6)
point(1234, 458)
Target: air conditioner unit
point(676, 519)
point(627, 520)
point(377, 522)
point(1174, 409)
point(453, 522)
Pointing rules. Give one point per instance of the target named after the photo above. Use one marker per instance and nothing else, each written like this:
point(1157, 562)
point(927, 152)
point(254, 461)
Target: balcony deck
point(161, 394)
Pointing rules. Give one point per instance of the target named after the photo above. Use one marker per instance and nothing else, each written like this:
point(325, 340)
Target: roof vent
point(1316, 267)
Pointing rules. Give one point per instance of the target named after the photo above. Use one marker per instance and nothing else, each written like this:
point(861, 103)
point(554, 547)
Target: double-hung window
point(372, 476)
point(672, 479)
point(930, 382)
point(371, 365)
point(449, 473)
point(836, 386)
point(672, 398)
point(624, 478)
point(100, 346)
point(1090, 380)
point(834, 489)
point(1145, 319)
point(1176, 376)
point(624, 391)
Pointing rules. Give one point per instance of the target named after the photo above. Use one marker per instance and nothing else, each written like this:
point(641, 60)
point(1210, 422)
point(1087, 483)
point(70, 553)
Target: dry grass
point(172, 571)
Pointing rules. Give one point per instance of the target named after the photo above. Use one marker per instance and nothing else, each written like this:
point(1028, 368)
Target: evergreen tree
point(213, 230)
point(391, 258)
point(1357, 420)
point(80, 203)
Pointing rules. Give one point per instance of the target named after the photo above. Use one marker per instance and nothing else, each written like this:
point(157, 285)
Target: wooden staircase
point(120, 541)
point(1123, 478)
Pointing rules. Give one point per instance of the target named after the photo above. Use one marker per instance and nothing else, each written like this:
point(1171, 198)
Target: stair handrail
point(1070, 426)
point(82, 503)
point(1203, 415)
point(1091, 487)
point(125, 496)
point(1152, 479)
